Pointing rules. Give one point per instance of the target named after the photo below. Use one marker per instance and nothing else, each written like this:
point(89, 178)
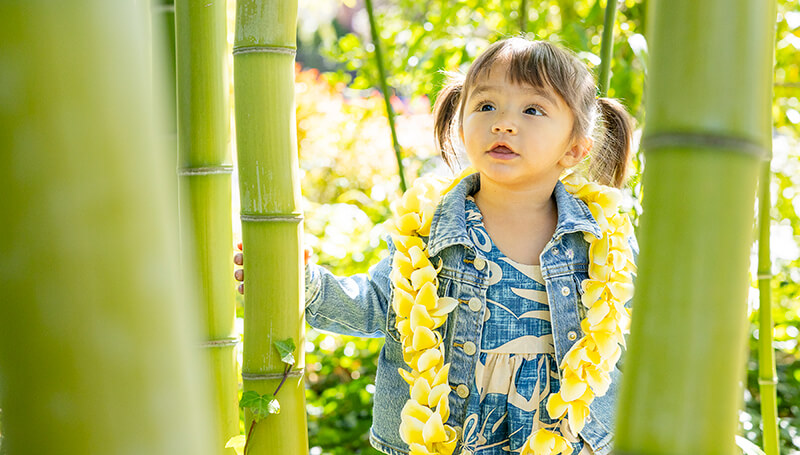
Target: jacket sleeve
point(355, 305)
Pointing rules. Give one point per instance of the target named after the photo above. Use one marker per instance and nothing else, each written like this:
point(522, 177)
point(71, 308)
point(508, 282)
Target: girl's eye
point(483, 107)
point(534, 111)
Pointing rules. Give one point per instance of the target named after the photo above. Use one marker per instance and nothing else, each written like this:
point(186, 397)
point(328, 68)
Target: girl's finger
point(238, 274)
point(238, 259)
point(241, 289)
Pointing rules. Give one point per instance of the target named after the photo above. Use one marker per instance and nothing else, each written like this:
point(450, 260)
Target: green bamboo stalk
point(607, 47)
point(767, 375)
point(163, 12)
point(376, 41)
point(704, 140)
point(272, 227)
point(204, 167)
point(97, 342)
point(523, 16)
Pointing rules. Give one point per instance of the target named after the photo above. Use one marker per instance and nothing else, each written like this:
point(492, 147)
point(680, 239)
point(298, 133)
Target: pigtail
point(610, 163)
point(445, 121)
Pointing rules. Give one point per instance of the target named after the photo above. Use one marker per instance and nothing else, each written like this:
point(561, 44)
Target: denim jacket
point(360, 305)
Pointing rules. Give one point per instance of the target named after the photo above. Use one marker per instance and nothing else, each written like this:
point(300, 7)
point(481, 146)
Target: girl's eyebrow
point(494, 88)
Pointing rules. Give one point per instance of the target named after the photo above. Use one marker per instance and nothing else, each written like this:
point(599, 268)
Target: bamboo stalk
point(264, 50)
point(97, 342)
point(376, 41)
point(703, 147)
point(204, 169)
point(607, 47)
point(767, 375)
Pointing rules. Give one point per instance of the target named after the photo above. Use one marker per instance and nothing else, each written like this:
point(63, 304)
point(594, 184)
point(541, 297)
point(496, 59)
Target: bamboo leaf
point(286, 350)
point(260, 405)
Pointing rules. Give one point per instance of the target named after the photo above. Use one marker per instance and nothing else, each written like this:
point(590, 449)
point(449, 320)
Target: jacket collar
point(449, 226)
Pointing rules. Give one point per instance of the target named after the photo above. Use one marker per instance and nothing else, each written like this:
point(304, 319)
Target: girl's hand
point(238, 259)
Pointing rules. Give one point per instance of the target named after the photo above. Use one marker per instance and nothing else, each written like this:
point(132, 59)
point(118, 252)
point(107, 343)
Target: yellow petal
point(411, 430)
point(404, 327)
point(599, 272)
point(437, 392)
point(414, 410)
point(434, 429)
point(418, 258)
point(556, 406)
point(422, 276)
point(427, 218)
point(599, 216)
point(578, 411)
point(411, 199)
point(424, 338)
point(444, 305)
point(449, 445)
point(420, 391)
point(443, 408)
point(592, 290)
point(543, 442)
point(236, 443)
point(598, 380)
point(562, 446)
point(429, 359)
point(402, 262)
point(606, 342)
point(441, 376)
point(402, 302)
point(399, 281)
point(420, 318)
point(571, 387)
point(408, 223)
point(598, 251)
point(407, 376)
point(419, 449)
point(405, 242)
point(597, 312)
point(427, 296)
point(621, 291)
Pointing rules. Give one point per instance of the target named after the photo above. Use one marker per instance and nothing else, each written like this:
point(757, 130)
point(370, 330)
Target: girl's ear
point(577, 152)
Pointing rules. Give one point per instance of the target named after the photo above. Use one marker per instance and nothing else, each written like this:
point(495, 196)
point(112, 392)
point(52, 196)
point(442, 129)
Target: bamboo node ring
point(271, 376)
point(267, 49)
point(280, 218)
point(205, 170)
point(678, 140)
point(220, 343)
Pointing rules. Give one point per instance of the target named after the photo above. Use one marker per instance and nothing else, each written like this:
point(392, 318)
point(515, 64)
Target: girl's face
point(517, 134)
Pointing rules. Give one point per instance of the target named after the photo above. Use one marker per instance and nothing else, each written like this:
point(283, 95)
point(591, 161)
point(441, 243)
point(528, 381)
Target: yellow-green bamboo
point(98, 345)
point(704, 140)
point(376, 42)
point(266, 138)
point(767, 376)
point(204, 167)
point(607, 47)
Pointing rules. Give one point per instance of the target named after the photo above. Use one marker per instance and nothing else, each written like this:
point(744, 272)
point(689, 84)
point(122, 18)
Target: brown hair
point(542, 64)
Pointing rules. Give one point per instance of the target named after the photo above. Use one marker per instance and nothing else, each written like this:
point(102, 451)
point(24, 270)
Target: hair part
point(543, 65)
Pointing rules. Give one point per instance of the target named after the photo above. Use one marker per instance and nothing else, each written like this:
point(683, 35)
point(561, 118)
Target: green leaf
point(260, 405)
point(286, 350)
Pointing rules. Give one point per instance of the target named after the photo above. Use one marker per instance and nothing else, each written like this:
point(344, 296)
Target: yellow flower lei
point(586, 367)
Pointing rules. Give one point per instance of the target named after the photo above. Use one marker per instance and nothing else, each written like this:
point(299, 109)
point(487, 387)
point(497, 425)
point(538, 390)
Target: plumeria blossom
point(585, 369)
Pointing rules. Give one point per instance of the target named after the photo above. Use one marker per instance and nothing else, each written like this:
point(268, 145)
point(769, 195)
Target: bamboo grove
point(117, 330)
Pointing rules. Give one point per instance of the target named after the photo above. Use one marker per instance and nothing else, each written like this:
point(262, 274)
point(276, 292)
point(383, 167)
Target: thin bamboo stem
point(376, 41)
point(97, 341)
point(767, 375)
point(607, 47)
point(703, 147)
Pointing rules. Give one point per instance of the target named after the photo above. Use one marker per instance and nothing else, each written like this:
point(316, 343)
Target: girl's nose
point(504, 127)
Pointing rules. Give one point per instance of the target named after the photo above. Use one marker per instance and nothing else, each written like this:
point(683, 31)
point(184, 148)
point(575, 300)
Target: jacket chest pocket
point(391, 314)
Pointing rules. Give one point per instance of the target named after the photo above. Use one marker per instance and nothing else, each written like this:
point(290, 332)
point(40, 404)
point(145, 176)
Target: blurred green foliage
point(350, 176)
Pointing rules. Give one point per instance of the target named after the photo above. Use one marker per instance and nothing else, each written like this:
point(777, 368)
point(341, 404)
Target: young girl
point(503, 297)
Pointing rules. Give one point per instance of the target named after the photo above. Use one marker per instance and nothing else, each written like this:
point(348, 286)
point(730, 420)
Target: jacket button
point(479, 263)
point(565, 291)
point(462, 390)
point(572, 335)
point(469, 348)
point(475, 304)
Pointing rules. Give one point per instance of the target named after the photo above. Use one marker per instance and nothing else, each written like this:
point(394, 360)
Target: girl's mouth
point(502, 153)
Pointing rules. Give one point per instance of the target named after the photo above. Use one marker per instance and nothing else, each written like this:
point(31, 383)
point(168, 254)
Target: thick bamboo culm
point(705, 138)
point(272, 227)
point(98, 345)
point(204, 167)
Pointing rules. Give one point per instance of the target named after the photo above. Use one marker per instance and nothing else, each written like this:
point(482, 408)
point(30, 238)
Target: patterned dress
point(516, 369)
